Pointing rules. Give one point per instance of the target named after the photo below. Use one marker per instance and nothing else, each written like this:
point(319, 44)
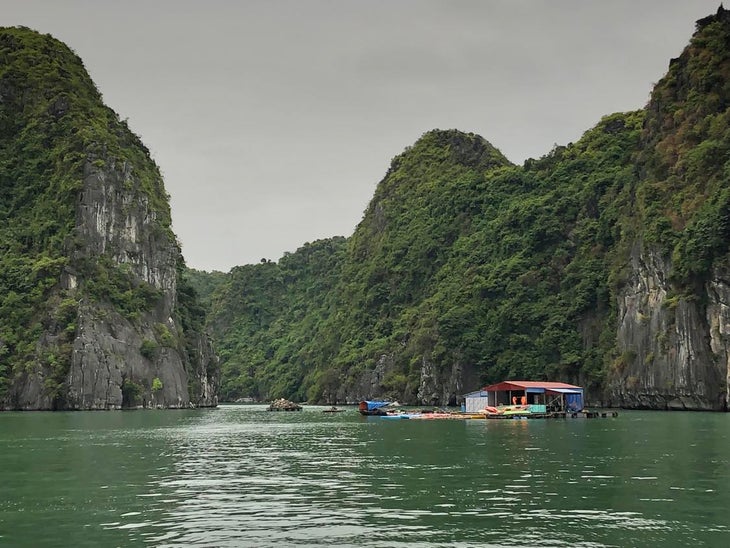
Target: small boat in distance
point(332, 409)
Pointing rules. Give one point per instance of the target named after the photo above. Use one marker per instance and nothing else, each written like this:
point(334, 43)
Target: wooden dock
point(554, 415)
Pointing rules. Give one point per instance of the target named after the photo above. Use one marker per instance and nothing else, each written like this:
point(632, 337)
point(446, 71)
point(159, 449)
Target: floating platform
point(553, 415)
point(499, 416)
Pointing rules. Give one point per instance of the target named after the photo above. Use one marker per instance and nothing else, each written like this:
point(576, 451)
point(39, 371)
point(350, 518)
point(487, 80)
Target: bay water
point(243, 476)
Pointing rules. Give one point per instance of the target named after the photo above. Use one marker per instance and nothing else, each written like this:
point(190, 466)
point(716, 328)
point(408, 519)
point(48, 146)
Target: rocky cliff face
point(603, 263)
point(436, 385)
point(673, 317)
point(123, 360)
point(439, 387)
point(115, 220)
point(718, 328)
point(673, 350)
point(110, 326)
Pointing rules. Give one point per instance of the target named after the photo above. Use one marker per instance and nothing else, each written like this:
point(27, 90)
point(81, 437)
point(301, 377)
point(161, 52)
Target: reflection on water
point(241, 476)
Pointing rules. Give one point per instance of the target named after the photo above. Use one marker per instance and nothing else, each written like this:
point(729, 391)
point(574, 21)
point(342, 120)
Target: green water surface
point(242, 476)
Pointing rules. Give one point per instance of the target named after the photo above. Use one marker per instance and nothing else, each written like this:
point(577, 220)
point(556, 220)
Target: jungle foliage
point(462, 257)
point(54, 128)
point(262, 315)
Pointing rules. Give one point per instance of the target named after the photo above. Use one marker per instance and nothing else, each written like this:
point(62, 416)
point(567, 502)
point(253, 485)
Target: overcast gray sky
point(273, 120)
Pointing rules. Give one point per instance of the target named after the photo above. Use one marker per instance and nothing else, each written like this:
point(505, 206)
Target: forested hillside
point(265, 316)
point(93, 313)
point(603, 263)
point(464, 269)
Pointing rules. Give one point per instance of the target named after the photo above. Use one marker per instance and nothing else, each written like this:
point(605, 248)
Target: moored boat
point(373, 408)
point(332, 409)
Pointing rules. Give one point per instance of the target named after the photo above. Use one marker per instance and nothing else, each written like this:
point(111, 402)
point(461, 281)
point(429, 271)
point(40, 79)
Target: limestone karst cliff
point(604, 263)
point(673, 349)
point(94, 312)
point(673, 326)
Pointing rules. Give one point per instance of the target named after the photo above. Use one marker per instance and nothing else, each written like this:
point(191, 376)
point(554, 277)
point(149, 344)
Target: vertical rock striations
point(673, 350)
point(673, 319)
point(105, 320)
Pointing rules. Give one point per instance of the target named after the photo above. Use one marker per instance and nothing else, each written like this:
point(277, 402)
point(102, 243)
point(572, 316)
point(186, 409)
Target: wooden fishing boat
point(332, 410)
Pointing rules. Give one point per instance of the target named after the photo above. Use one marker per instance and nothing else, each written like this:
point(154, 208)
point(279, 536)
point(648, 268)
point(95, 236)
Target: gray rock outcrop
point(140, 359)
point(673, 348)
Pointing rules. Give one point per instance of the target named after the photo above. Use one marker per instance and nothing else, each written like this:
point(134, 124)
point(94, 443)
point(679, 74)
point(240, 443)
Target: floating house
point(538, 396)
point(476, 402)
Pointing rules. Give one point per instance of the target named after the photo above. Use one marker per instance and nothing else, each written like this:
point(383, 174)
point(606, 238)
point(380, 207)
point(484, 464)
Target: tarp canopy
point(370, 405)
point(574, 401)
point(566, 390)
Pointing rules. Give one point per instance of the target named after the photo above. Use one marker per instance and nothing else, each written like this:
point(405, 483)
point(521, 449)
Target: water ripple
point(239, 476)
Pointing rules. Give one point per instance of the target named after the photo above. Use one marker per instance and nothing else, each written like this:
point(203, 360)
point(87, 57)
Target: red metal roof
point(521, 385)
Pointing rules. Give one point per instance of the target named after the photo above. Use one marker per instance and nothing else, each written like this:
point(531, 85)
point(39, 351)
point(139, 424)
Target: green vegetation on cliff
point(684, 198)
point(465, 266)
point(461, 258)
point(56, 133)
point(38, 182)
point(263, 314)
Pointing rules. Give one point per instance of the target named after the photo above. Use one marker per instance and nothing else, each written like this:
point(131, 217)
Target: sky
point(273, 121)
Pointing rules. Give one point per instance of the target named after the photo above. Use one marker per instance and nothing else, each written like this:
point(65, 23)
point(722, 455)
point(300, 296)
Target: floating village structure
point(538, 397)
point(504, 400)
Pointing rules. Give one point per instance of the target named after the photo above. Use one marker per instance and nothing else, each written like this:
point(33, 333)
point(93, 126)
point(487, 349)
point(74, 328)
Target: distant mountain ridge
point(94, 312)
point(604, 263)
